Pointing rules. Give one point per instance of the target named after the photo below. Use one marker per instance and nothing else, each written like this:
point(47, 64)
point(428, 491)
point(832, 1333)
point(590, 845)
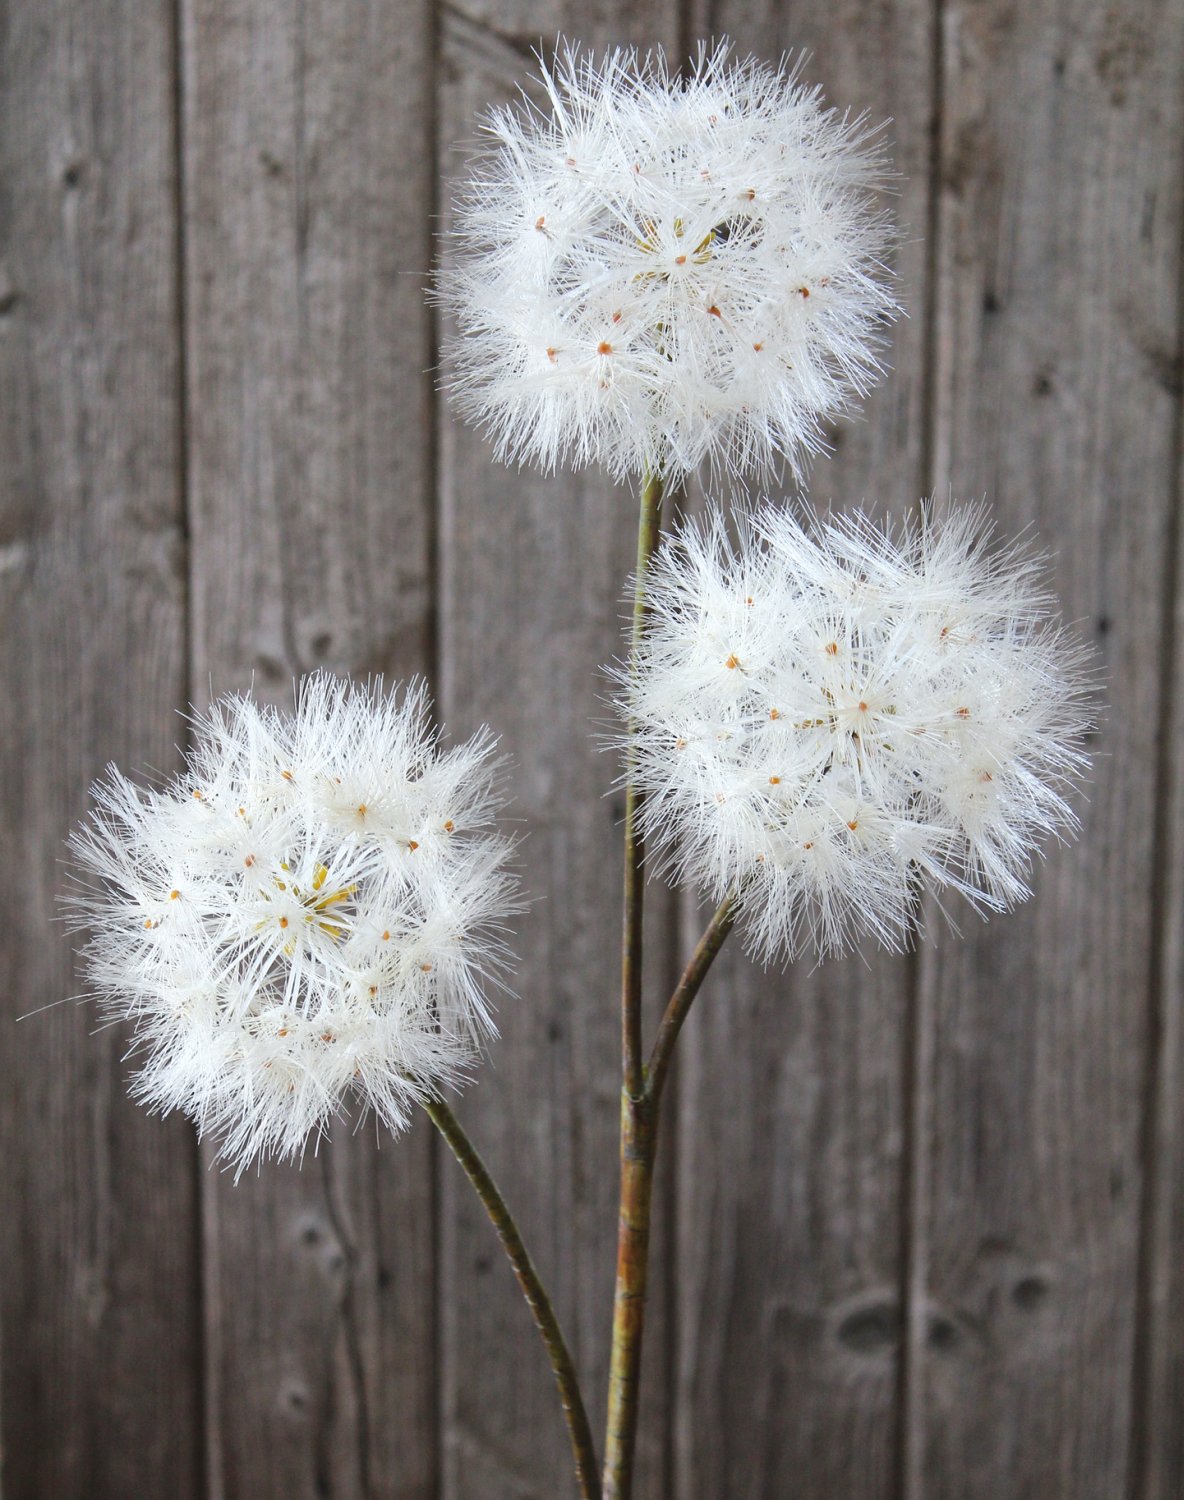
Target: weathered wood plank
point(1059, 240)
point(308, 193)
point(1157, 1469)
point(99, 1380)
point(792, 1093)
point(533, 573)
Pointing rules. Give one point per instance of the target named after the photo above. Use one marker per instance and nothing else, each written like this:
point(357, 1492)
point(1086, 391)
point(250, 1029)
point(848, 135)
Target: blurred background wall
point(924, 1216)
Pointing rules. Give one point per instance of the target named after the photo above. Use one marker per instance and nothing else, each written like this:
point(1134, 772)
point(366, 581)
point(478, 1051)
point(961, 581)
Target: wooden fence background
point(923, 1218)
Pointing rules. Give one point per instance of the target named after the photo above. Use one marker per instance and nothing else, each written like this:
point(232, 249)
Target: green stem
point(583, 1449)
point(639, 1138)
point(688, 987)
point(649, 526)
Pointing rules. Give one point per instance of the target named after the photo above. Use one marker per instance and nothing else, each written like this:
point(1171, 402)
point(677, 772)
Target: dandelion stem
point(639, 1135)
point(688, 987)
point(637, 1125)
point(649, 525)
point(583, 1449)
point(638, 1138)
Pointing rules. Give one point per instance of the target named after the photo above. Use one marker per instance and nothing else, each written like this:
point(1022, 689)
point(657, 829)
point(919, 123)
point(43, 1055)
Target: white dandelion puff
point(832, 716)
point(310, 913)
point(661, 270)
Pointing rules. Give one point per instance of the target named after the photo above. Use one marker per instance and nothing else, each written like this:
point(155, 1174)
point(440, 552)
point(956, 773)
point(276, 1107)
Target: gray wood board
point(1058, 244)
point(1158, 1456)
point(794, 1111)
point(1157, 1469)
point(308, 183)
point(533, 574)
point(98, 1203)
point(921, 1223)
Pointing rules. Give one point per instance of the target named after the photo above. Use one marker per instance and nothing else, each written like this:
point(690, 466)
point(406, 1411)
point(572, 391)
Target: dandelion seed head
point(834, 716)
point(309, 916)
point(654, 271)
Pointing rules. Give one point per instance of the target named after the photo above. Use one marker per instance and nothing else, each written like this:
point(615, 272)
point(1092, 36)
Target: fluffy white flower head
point(309, 913)
point(661, 270)
point(833, 716)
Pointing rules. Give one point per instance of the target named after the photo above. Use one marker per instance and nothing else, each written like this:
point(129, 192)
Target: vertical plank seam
point(351, 1337)
point(346, 1308)
point(434, 667)
point(301, 217)
point(918, 1013)
point(914, 1065)
point(1156, 1059)
point(197, 1298)
point(933, 229)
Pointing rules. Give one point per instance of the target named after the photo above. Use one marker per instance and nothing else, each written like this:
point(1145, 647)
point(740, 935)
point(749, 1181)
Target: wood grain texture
point(533, 576)
point(307, 189)
point(793, 1116)
point(1057, 330)
point(925, 1216)
point(1157, 1469)
point(100, 1376)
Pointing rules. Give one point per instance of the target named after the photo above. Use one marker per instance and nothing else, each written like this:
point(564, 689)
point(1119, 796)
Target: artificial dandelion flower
point(832, 717)
point(309, 914)
point(658, 270)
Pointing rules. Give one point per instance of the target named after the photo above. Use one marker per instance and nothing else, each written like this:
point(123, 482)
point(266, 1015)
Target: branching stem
point(639, 1138)
point(688, 987)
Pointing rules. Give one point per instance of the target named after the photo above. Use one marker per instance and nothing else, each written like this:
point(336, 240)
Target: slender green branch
point(688, 987)
point(639, 1139)
point(583, 1449)
point(649, 526)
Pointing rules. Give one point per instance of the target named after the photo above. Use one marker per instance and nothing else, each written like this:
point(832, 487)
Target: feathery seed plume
point(833, 715)
point(310, 912)
point(661, 270)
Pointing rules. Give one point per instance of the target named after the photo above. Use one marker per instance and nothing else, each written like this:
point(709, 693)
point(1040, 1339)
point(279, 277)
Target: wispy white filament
point(310, 912)
point(832, 716)
point(658, 271)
